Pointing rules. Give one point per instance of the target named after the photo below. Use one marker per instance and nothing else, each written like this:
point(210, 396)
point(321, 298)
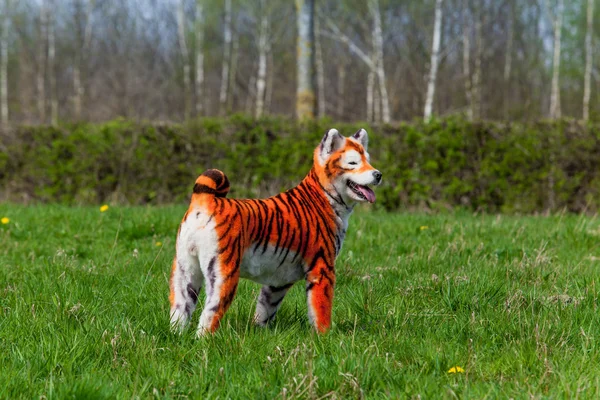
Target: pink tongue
point(367, 192)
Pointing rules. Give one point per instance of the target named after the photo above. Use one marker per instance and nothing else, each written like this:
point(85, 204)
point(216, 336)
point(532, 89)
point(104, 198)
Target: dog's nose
point(377, 176)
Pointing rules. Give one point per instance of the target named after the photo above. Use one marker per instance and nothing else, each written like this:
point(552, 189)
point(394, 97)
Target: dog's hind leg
point(221, 284)
point(269, 301)
point(186, 282)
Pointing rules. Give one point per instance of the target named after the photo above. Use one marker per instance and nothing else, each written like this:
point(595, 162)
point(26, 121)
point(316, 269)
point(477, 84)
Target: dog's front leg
point(320, 281)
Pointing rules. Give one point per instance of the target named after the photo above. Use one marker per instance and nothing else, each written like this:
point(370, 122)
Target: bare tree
point(369, 60)
point(41, 63)
point(476, 85)
point(270, 79)
point(370, 95)
point(52, 62)
point(82, 48)
point(508, 57)
point(235, 56)
point(556, 20)
point(437, 28)
point(320, 71)
point(466, 33)
point(227, 39)
point(263, 43)
point(588, 61)
point(305, 92)
point(199, 57)
point(185, 57)
point(341, 84)
point(378, 51)
point(4, 65)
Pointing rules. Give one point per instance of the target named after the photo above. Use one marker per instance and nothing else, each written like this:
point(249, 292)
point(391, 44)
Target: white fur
point(274, 267)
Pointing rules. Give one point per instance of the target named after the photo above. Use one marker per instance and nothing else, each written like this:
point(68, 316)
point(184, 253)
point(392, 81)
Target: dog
point(276, 241)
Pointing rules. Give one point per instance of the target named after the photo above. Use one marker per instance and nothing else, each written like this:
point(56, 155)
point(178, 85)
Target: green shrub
point(485, 166)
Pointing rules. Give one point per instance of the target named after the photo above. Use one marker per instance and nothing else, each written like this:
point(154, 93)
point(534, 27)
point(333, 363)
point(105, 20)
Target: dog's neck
point(342, 208)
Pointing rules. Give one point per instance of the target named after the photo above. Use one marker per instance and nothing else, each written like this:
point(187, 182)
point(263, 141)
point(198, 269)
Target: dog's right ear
point(332, 141)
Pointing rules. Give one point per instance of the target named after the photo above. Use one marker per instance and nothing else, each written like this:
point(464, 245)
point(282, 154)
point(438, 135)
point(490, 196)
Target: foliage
point(484, 166)
point(512, 301)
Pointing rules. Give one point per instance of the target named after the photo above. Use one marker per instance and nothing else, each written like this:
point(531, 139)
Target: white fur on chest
point(273, 267)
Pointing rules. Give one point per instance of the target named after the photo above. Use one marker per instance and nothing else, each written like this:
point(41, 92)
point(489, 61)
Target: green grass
point(512, 300)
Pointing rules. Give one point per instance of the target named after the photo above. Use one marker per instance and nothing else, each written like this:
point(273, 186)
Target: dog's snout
point(377, 176)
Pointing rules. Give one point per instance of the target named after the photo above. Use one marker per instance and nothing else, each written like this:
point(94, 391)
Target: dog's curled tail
point(212, 182)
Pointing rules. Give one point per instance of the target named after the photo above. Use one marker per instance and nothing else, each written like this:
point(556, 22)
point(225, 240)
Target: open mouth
point(363, 192)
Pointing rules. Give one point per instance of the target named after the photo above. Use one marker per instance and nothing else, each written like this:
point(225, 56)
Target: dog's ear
point(332, 141)
point(362, 137)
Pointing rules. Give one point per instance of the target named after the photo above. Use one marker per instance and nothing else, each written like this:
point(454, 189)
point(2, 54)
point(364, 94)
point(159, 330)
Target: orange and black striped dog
point(275, 242)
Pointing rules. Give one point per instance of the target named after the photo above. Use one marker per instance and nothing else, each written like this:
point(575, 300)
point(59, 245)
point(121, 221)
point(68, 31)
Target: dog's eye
point(353, 163)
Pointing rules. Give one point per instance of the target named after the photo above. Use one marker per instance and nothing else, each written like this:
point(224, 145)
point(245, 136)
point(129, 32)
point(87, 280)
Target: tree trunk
point(476, 89)
point(341, 83)
point(370, 95)
point(199, 57)
point(251, 93)
point(80, 58)
point(508, 60)
point(376, 104)
point(186, 59)
point(435, 50)
point(41, 64)
point(588, 61)
point(4, 67)
point(52, 65)
point(227, 37)
point(270, 77)
point(261, 75)
point(235, 54)
point(467, 63)
point(378, 49)
point(555, 94)
point(305, 92)
point(320, 71)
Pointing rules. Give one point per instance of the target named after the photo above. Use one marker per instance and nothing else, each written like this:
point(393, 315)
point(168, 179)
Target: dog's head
point(343, 164)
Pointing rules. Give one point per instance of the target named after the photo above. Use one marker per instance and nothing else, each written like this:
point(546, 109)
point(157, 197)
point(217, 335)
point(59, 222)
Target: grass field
point(511, 300)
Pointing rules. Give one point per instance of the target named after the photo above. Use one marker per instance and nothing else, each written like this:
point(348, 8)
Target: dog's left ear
point(362, 137)
point(332, 141)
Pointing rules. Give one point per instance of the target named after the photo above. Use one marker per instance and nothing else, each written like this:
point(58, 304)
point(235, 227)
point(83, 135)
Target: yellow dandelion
point(104, 208)
point(456, 370)
point(158, 244)
point(424, 227)
point(5, 220)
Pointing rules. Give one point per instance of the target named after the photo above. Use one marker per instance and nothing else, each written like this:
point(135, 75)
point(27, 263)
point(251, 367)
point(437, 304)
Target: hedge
point(486, 166)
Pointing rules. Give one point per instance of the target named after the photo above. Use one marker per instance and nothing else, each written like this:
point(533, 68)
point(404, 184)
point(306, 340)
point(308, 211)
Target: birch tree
point(476, 83)
point(376, 69)
point(199, 27)
point(341, 86)
point(378, 51)
point(370, 95)
point(508, 58)
point(437, 27)
point(41, 63)
point(588, 61)
point(52, 63)
point(227, 39)
point(83, 15)
point(466, 33)
point(4, 65)
point(263, 43)
point(235, 55)
point(185, 57)
point(305, 92)
point(320, 69)
point(556, 20)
